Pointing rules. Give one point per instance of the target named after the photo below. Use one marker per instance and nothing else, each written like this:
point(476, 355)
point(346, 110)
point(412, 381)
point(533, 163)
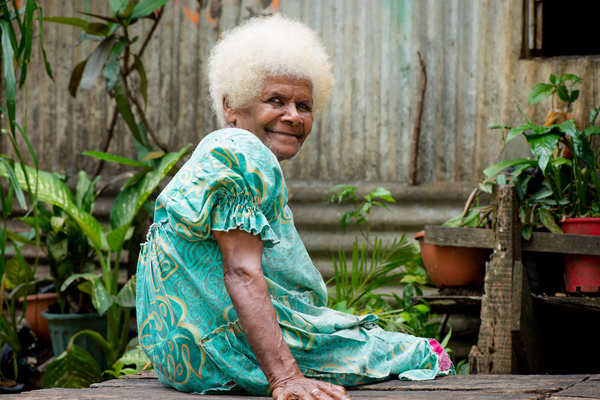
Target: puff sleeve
point(231, 181)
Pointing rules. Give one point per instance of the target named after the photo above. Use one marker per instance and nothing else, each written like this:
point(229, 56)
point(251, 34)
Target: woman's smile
point(281, 116)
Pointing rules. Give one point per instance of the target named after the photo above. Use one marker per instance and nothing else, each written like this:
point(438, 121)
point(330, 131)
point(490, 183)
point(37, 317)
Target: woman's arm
point(247, 288)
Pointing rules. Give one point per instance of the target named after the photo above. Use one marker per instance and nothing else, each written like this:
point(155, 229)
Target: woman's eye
point(274, 100)
point(304, 106)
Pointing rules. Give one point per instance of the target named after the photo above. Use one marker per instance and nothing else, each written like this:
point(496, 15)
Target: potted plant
point(452, 266)
point(76, 366)
point(558, 188)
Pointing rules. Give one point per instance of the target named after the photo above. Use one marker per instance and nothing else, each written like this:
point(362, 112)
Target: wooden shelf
point(542, 242)
point(453, 304)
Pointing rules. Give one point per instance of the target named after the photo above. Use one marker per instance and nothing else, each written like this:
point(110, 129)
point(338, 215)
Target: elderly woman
point(228, 298)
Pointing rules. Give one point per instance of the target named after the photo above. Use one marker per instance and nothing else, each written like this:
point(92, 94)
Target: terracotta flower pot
point(450, 266)
point(582, 272)
point(36, 303)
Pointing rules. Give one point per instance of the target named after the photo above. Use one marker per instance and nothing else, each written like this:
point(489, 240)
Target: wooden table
point(145, 386)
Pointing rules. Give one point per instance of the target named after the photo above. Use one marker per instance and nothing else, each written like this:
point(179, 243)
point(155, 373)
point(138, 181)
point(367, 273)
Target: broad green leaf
point(153, 155)
point(54, 191)
point(146, 7)
point(57, 223)
point(139, 67)
point(82, 188)
point(89, 276)
point(547, 219)
point(542, 146)
point(543, 193)
point(495, 169)
point(95, 63)
point(10, 84)
point(514, 132)
point(16, 237)
point(135, 356)
point(131, 200)
point(592, 130)
point(593, 115)
point(135, 178)
point(568, 77)
point(485, 187)
point(74, 368)
point(126, 296)
point(382, 193)
point(526, 232)
point(97, 29)
point(552, 202)
point(574, 95)
point(14, 182)
point(86, 287)
point(126, 13)
point(563, 94)
point(582, 147)
point(15, 272)
point(113, 158)
point(117, 5)
point(553, 79)
point(539, 93)
point(101, 299)
point(120, 95)
point(112, 68)
point(567, 127)
point(75, 79)
point(78, 22)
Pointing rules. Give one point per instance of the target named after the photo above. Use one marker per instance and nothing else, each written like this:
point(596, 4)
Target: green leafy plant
point(562, 179)
point(72, 369)
point(376, 266)
point(16, 44)
point(132, 361)
point(474, 215)
point(115, 60)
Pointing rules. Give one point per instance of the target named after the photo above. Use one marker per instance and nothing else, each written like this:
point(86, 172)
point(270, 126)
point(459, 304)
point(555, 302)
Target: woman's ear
point(228, 111)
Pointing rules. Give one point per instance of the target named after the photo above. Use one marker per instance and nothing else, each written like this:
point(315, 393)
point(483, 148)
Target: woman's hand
point(305, 389)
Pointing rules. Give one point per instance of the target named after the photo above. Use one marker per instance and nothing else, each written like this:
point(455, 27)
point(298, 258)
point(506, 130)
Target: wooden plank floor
point(145, 386)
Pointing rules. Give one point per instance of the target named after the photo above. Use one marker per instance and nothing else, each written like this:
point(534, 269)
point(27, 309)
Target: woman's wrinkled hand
point(307, 389)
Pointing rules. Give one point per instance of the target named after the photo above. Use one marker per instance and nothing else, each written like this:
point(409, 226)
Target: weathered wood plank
point(145, 386)
point(543, 242)
point(443, 395)
point(494, 353)
point(570, 304)
point(453, 304)
point(460, 237)
point(589, 389)
point(563, 243)
point(487, 383)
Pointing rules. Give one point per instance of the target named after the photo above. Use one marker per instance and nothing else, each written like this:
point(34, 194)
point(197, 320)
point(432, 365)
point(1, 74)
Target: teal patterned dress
point(187, 324)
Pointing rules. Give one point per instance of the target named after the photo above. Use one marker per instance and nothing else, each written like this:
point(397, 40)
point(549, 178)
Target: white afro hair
point(264, 47)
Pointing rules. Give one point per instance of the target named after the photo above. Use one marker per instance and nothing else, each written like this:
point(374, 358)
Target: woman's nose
point(291, 115)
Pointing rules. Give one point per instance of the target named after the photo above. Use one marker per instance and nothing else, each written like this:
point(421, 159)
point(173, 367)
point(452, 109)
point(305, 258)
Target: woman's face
point(281, 116)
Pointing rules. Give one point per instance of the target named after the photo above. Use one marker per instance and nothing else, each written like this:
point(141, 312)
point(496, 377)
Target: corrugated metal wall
point(475, 77)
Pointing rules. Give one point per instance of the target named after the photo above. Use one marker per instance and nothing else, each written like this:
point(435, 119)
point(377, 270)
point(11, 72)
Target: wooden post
point(494, 352)
point(508, 337)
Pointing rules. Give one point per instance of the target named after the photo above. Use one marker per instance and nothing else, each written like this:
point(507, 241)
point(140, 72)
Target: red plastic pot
point(450, 266)
point(582, 272)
